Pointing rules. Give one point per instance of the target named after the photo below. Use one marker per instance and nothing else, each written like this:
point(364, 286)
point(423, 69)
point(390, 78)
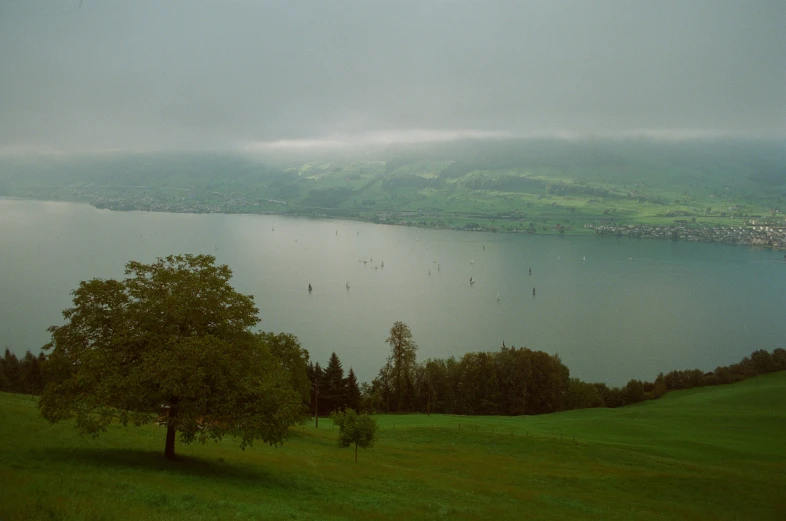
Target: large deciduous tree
point(171, 340)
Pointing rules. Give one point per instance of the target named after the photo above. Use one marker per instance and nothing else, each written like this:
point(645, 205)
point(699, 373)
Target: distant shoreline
point(765, 235)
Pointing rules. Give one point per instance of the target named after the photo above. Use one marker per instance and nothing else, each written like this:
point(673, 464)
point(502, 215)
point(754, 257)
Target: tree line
point(22, 376)
point(582, 395)
point(510, 381)
point(516, 381)
point(331, 391)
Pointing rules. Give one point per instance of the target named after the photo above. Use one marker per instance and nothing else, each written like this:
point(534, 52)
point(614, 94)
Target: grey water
point(613, 309)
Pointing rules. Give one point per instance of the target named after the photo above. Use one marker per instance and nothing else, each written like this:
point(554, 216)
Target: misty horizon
point(255, 76)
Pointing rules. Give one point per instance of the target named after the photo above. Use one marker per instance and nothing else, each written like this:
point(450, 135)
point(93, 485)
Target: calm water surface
point(632, 309)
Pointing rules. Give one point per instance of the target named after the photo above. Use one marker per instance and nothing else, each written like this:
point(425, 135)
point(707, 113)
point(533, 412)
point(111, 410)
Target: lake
point(632, 309)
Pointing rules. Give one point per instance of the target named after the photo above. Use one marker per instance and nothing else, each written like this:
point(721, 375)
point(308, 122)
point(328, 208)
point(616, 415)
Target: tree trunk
point(169, 447)
point(356, 452)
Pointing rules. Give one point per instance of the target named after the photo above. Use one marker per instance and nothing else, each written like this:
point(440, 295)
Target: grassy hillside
point(709, 453)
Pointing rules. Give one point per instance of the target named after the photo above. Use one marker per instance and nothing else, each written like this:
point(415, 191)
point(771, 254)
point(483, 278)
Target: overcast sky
point(224, 74)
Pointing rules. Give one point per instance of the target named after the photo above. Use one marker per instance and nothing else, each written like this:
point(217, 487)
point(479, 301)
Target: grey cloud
point(193, 74)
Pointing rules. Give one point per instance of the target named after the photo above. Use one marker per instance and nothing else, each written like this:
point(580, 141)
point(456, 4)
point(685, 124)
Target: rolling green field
point(707, 453)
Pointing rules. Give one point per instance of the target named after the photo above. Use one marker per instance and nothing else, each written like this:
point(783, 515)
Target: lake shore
point(750, 232)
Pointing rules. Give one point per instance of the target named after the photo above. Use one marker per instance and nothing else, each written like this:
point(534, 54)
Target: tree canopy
point(172, 340)
point(294, 359)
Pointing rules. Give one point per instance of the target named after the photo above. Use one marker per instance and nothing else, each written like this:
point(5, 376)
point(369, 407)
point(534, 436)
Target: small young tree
point(360, 429)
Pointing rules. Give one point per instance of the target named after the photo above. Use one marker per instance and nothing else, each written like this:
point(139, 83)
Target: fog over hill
point(144, 75)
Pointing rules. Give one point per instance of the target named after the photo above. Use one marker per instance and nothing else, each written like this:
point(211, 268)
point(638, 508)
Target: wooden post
point(316, 403)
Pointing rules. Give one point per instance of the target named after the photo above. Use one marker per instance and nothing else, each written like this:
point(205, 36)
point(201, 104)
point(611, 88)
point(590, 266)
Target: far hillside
point(505, 185)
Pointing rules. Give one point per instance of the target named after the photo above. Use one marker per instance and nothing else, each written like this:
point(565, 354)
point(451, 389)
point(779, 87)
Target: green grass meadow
point(708, 453)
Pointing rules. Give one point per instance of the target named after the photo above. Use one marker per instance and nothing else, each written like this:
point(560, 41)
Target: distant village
point(753, 233)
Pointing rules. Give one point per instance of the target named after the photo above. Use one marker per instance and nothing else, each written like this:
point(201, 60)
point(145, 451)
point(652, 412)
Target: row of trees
point(583, 395)
point(330, 390)
point(22, 376)
point(514, 381)
point(510, 381)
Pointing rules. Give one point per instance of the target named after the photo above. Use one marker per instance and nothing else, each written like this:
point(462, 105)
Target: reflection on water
point(613, 309)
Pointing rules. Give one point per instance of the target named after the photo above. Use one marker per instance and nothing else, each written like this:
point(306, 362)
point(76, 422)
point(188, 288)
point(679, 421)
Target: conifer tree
point(353, 396)
point(10, 369)
point(333, 393)
point(30, 376)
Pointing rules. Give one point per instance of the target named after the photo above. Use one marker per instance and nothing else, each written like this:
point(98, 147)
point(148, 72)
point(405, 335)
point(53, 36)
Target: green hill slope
point(504, 185)
point(710, 453)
